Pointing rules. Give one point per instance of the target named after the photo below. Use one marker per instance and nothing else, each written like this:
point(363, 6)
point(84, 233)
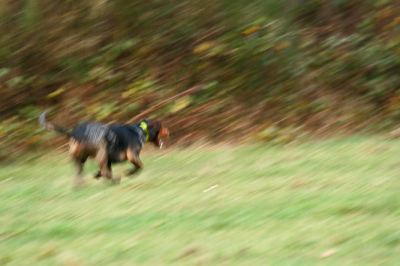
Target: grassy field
point(334, 202)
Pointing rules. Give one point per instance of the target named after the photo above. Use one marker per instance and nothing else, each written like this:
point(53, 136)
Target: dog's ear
point(162, 131)
point(155, 124)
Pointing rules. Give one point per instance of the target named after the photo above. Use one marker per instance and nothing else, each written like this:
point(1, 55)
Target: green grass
point(272, 206)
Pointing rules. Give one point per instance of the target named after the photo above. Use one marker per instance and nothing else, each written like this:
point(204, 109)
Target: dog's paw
point(132, 172)
point(97, 176)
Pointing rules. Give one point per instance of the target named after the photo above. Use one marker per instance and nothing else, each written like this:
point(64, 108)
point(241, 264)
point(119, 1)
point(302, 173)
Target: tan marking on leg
point(73, 147)
point(133, 158)
point(122, 156)
point(101, 155)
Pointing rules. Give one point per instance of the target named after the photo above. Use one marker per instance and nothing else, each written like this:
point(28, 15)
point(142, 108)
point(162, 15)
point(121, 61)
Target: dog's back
point(115, 139)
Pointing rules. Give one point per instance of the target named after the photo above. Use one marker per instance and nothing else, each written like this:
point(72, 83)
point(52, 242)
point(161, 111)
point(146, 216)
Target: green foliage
point(323, 64)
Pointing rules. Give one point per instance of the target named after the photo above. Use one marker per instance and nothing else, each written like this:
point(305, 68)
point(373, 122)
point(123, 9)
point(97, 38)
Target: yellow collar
point(143, 126)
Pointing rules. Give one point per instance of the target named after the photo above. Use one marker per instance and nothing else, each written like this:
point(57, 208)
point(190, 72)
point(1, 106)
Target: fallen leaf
point(251, 30)
point(282, 46)
point(328, 253)
point(181, 104)
point(203, 47)
point(56, 93)
point(208, 189)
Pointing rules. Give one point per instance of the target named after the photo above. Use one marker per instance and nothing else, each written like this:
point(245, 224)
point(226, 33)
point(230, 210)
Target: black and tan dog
point(109, 144)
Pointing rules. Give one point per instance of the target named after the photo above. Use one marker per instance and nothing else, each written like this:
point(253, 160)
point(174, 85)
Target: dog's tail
point(50, 126)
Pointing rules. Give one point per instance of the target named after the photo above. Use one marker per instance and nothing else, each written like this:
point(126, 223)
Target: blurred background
point(272, 73)
point(271, 70)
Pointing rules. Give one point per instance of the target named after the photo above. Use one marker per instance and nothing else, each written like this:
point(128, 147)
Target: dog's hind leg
point(79, 164)
point(98, 175)
point(133, 157)
point(106, 172)
point(105, 165)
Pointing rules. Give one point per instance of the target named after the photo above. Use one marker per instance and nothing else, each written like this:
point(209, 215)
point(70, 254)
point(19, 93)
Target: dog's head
point(156, 131)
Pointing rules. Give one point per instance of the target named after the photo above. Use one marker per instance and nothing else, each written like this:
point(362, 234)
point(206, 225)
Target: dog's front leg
point(133, 157)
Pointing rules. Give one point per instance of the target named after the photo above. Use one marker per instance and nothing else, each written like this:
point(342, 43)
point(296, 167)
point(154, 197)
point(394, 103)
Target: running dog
point(109, 144)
